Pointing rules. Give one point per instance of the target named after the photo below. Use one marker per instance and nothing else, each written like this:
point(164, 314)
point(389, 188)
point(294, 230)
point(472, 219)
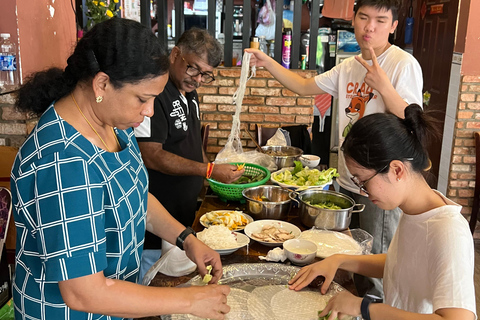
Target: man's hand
point(376, 78)
point(226, 173)
point(202, 255)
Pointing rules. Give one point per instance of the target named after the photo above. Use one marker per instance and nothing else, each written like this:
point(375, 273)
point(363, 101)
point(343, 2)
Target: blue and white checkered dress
point(78, 210)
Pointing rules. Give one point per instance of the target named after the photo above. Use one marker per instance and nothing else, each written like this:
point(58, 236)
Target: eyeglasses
point(194, 72)
point(361, 184)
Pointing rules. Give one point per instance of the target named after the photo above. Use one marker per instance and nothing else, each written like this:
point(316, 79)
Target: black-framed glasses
point(194, 72)
point(361, 184)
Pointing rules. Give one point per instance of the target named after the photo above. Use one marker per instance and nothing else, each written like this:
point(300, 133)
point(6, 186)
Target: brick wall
point(462, 171)
point(266, 102)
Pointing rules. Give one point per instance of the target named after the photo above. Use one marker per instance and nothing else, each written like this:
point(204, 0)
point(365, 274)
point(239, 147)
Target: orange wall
point(47, 33)
point(470, 63)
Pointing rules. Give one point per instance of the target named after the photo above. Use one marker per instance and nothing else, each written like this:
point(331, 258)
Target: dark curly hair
point(125, 50)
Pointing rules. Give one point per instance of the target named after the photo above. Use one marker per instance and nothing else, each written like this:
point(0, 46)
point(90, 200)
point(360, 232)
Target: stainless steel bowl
point(329, 219)
point(276, 206)
point(283, 155)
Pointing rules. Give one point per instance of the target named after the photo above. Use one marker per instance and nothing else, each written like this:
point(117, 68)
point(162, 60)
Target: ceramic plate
point(294, 186)
point(242, 241)
point(204, 221)
point(256, 227)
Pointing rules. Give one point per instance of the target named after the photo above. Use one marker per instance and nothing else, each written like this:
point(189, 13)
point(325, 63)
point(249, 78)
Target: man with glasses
point(170, 141)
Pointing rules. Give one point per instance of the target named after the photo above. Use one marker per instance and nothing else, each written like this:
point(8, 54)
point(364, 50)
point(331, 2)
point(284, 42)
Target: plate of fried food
point(271, 233)
point(234, 220)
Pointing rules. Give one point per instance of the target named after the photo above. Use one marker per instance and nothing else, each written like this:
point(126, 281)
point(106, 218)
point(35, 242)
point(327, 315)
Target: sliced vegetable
point(325, 205)
point(304, 176)
point(208, 277)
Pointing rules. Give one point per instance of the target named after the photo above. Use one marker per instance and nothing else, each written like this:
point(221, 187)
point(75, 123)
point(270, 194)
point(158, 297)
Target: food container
point(267, 202)
point(283, 155)
point(330, 219)
point(310, 160)
point(300, 251)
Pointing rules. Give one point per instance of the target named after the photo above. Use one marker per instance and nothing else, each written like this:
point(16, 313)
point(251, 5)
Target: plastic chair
point(476, 195)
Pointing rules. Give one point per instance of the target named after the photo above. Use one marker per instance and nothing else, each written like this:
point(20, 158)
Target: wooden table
point(211, 203)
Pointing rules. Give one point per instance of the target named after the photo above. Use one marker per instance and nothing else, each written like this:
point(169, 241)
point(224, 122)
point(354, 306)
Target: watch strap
point(365, 305)
point(185, 233)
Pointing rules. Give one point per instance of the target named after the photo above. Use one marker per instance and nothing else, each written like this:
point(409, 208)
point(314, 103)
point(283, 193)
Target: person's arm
point(346, 303)
point(156, 158)
point(291, 80)
point(97, 294)
point(377, 79)
point(367, 265)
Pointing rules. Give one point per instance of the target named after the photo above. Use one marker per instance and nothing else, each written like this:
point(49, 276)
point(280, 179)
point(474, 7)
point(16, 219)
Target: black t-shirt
point(176, 125)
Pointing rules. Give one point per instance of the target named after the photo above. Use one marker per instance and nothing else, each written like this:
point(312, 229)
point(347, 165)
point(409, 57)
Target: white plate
point(256, 227)
point(206, 223)
point(242, 241)
point(294, 186)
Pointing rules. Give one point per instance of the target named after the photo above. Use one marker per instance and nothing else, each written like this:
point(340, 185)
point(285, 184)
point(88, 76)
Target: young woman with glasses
point(428, 268)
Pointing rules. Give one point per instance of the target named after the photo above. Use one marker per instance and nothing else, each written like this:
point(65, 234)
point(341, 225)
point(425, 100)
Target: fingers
point(325, 285)
point(374, 57)
point(362, 62)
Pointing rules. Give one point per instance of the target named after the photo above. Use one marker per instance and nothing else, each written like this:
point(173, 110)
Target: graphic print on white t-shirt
point(357, 106)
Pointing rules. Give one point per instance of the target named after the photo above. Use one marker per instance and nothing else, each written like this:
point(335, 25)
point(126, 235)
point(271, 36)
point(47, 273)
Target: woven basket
point(233, 192)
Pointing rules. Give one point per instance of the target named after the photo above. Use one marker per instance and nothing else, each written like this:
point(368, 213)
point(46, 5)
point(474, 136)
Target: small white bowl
point(300, 251)
point(310, 160)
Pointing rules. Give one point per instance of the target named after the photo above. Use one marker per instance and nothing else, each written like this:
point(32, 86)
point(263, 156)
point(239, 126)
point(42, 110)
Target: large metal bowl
point(277, 206)
point(283, 155)
point(329, 219)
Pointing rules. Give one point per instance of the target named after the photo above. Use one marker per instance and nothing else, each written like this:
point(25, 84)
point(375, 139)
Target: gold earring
point(99, 99)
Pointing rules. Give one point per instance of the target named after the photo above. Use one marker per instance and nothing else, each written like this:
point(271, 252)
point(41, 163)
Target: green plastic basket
point(233, 192)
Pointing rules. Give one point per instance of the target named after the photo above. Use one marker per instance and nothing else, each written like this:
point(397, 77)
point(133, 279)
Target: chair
point(205, 131)
point(476, 195)
point(299, 136)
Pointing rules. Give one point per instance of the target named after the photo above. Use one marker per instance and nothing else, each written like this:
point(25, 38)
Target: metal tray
point(249, 276)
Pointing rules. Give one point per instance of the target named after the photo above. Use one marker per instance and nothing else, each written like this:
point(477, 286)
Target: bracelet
point(210, 169)
point(185, 233)
point(365, 305)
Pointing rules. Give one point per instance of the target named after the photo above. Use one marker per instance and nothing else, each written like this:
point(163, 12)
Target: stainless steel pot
point(329, 219)
point(276, 204)
point(283, 155)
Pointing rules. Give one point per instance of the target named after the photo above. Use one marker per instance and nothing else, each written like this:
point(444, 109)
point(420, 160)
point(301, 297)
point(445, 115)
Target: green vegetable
point(325, 317)
point(301, 176)
point(325, 205)
point(208, 276)
point(249, 179)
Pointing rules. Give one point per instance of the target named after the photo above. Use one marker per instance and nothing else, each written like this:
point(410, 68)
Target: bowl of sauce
point(300, 251)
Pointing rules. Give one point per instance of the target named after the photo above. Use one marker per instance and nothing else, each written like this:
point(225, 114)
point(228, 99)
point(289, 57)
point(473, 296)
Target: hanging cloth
point(323, 103)
point(338, 9)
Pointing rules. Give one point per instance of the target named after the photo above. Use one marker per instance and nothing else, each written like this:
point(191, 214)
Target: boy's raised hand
point(376, 78)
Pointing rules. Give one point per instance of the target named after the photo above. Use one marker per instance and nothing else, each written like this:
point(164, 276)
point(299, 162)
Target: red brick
point(473, 125)
point(230, 72)
point(464, 88)
point(474, 88)
point(265, 92)
point(279, 119)
point(461, 105)
point(213, 125)
point(230, 108)
point(228, 125)
point(213, 149)
point(460, 167)
point(288, 93)
point(478, 97)
point(253, 100)
point(216, 117)
point(305, 101)
point(453, 175)
point(466, 176)
point(263, 74)
point(222, 83)
point(469, 159)
point(7, 99)
point(204, 107)
point(465, 193)
point(219, 134)
point(280, 101)
point(251, 117)
point(217, 99)
point(464, 134)
point(9, 113)
point(457, 159)
point(306, 74)
point(473, 106)
point(304, 119)
point(465, 114)
point(458, 142)
point(229, 90)
point(459, 184)
point(477, 116)
point(471, 79)
point(274, 83)
point(13, 128)
point(467, 97)
point(461, 201)
point(254, 83)
point(207, 90)
point(296, 110)
point(459, 125)
point(451, 193)
point(469, 142)
point(460, 150)
point(471, 184)
point(262, 109)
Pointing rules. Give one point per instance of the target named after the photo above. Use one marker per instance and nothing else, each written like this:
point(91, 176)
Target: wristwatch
point(367, 299)
point(185, 233)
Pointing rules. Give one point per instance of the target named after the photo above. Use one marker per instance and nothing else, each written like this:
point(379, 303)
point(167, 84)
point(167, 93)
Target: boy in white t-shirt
point(383, 78)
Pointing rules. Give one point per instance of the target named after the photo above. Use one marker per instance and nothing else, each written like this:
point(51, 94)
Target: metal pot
point(329, 219)
point(276, 204)
point(283, 155)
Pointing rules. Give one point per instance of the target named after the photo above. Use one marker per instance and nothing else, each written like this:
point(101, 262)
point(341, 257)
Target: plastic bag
point(278, 139)
point(174, 263)
point(275, 255)
point(254, 157)
point(266, 22)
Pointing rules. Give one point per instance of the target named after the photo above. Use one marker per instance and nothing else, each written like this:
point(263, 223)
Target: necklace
point(106, 147)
